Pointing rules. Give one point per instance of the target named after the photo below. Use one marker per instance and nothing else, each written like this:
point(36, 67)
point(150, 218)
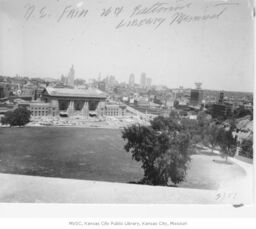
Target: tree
point(174, 115)
point(168, 124)
point(247, 148)
point(241, 112)
point(226, 141)
point(162, 149)
point(211, 135)
point(18, 117)
point(7, 119)
point(203, 122)
point(191, 126)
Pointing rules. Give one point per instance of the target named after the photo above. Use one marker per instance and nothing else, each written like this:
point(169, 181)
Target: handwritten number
point(223, 195)
point(107, 12)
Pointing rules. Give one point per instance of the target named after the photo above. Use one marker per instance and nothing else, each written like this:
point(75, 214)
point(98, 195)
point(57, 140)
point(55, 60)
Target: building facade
point(114, 110)
point(196, 97)
point(4, 92)
point(221, 110)
point(73, 101)
point(38, 109)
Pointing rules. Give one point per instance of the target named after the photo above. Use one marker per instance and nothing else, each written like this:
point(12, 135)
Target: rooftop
point(39, 104)
point(70, 92)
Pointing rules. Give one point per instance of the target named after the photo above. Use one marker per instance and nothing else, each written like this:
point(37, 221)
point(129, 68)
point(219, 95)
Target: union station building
point(69, 102)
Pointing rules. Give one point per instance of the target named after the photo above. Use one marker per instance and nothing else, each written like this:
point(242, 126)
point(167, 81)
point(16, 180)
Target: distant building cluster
point(145, 82)
point(105, 96)
point(59, 98)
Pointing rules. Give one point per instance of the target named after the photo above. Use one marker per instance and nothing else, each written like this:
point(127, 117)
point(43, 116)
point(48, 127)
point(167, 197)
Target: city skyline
point(136, 83)
point(209, 52)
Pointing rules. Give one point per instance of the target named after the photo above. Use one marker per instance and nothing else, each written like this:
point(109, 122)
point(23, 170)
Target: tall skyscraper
point(132, 80)
point(71, 77)
point(111, 81)
point(143, 80)
point(148, 82)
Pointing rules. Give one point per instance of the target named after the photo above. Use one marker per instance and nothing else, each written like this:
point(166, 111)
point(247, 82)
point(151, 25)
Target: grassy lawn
point(79, 153)
point(93, 154)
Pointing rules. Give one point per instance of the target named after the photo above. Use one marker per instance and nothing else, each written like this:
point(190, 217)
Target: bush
point(18, 117)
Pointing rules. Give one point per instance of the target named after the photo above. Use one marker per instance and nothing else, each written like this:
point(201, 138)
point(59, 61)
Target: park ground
point(90, 166)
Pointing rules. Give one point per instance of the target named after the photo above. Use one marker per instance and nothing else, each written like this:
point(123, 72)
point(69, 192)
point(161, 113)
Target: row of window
point(114, 112)
point(39, 113)
point(43, 111)
point(39, 108)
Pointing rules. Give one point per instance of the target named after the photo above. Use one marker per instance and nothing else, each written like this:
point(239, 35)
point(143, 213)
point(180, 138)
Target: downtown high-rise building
point(148, 82)
point(71, 77)
point(143, 80)
point(132, 80)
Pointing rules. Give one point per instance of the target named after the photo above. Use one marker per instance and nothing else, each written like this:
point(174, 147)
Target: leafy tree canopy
point(18, 117)
point(162, 149)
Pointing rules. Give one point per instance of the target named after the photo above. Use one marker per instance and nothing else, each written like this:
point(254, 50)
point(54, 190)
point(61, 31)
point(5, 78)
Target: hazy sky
point(217, 52)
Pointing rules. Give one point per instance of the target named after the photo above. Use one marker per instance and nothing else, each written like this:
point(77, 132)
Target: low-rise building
point(40, 109)
point(221, 110)
point(114, 110)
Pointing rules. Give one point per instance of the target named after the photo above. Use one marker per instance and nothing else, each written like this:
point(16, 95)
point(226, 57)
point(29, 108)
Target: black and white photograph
point(127, 102)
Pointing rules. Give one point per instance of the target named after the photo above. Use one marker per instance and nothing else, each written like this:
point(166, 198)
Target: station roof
point(70, 92)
